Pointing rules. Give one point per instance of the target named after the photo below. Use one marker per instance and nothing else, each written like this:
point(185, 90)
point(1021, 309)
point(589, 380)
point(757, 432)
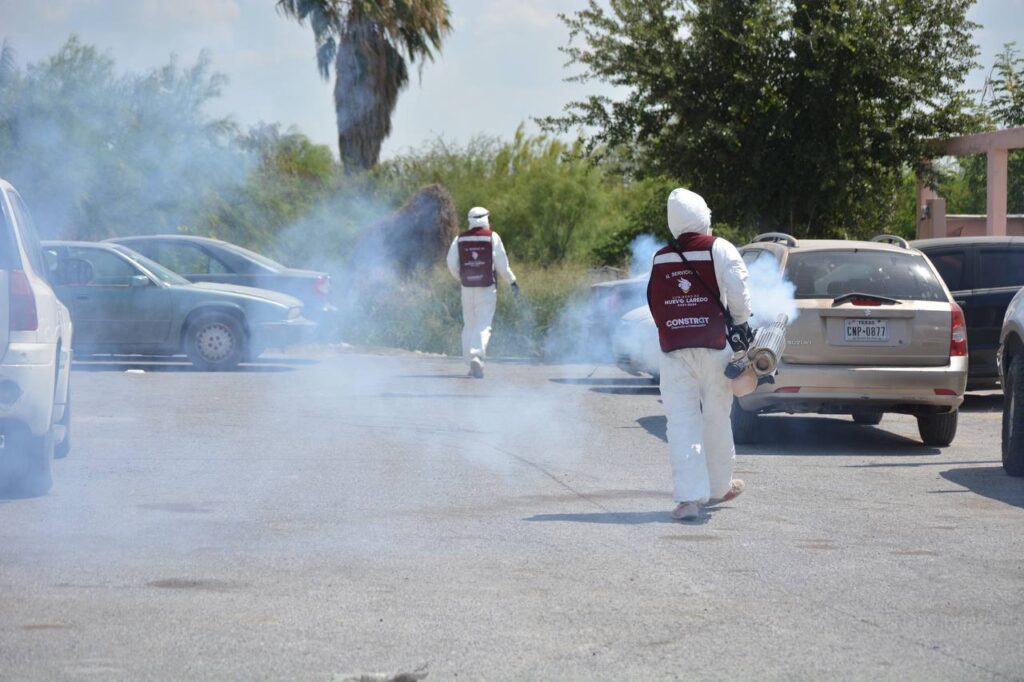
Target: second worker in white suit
point(697, 284)
point(473, 258)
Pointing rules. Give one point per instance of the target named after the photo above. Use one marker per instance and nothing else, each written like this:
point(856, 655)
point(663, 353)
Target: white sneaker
point(476, 368)
point(686, 511)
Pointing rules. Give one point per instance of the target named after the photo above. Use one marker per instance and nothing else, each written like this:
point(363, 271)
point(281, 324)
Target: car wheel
point(25, 469)
point(1013, 418)
point(868, 418)
point(744, 424)
point(938, 429)
point(215, 342)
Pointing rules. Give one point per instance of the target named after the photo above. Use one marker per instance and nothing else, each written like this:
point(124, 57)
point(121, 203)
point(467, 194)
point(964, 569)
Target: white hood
point(478, 217)
point(687, 212)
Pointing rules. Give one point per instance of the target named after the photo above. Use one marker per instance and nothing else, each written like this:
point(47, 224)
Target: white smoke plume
point(771, 293)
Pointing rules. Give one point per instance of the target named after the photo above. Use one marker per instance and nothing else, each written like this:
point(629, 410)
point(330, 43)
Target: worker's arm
point(731, 273)
point(453, 259)
point(501, 260)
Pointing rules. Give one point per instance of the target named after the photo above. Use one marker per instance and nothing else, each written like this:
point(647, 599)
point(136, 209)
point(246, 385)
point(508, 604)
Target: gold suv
point(877, 332)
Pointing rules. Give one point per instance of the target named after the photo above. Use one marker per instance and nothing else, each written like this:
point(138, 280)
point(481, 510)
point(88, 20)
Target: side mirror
point(72, 272)
point(139, 281)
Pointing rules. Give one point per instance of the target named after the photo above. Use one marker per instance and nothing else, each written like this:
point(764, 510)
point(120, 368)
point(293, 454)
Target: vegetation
point(370, 45)
point(798, 115)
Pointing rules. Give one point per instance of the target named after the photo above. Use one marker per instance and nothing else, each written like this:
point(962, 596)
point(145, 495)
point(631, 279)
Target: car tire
point(744, 424)
point(938, 429)
point(868, 418)
point(26, 470)
point(1013, 417)
point(215, 342)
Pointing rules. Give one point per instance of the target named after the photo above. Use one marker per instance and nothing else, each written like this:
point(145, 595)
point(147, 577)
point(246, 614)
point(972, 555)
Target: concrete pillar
point(924, 195)
point(937, 216)
point(995, 193)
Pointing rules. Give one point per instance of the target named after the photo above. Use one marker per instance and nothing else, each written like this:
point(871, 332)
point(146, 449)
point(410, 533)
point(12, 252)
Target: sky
point(500, 66)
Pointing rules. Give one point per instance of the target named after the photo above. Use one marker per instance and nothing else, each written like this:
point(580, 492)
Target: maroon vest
point(476, 258)
point(687, 311)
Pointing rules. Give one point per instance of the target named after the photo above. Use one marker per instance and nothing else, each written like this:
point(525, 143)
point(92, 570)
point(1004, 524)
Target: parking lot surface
point(344, 514)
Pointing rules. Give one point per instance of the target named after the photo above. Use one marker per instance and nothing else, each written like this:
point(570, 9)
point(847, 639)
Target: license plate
point(867, 330)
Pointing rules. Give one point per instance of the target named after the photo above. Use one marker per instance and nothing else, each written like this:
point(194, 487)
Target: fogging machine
point(760, 360)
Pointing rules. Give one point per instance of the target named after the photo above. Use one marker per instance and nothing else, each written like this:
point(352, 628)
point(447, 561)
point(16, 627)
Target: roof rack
point(786, 239)
point(892, 239)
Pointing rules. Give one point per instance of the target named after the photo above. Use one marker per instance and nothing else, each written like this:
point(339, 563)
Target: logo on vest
point(685, 285)
point(683, 322)
point(474, 255)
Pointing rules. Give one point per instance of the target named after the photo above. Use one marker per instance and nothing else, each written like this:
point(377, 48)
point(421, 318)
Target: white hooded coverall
point(695, 392)
point(479, 303)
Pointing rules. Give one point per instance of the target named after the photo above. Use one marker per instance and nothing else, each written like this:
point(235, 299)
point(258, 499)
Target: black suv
point(983, 274)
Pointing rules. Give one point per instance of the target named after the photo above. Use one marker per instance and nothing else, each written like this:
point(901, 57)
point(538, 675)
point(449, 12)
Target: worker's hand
point(740, 337)
point(515, 290)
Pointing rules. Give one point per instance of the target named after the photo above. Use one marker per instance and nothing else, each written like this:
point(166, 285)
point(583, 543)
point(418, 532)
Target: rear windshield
point(828, 274)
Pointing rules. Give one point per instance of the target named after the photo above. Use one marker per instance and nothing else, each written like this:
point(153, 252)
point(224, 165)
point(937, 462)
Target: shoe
point(476, 368)
point(686, 511)
point(736, 487)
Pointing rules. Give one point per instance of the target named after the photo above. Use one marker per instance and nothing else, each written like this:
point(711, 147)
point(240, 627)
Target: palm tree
point(370, 43)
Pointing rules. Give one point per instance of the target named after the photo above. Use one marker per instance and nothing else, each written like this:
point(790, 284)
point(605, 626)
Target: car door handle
point(961, 302)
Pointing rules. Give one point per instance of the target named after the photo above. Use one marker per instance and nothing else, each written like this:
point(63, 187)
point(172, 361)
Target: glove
point(515, 290)
point(740, 337)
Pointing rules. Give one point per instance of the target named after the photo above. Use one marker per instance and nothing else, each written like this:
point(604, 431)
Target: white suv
point(35, 357)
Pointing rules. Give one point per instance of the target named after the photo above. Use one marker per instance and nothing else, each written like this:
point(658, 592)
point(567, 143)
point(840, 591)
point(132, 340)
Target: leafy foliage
point(793, 115)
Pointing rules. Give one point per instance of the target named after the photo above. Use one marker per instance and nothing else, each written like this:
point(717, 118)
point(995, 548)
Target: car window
point(752, 255)
point(9, 258)
point(187, 259)
point(29, 236)
point(950, 265)
point(159, 271)
point(1001, 268)
point(828, 274)
point(110, 270)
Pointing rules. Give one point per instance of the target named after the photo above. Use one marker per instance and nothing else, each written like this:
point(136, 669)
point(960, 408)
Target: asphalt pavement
point(325, 517)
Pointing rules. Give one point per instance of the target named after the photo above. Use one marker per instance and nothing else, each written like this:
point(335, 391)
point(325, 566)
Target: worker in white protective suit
point(697, 284)
point(473, 258)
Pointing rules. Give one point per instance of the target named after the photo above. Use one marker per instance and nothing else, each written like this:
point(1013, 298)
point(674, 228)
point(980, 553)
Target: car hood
point(251, 292)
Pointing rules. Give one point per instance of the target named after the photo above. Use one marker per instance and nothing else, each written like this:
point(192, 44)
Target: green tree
point(370, 44)
point(797, 115)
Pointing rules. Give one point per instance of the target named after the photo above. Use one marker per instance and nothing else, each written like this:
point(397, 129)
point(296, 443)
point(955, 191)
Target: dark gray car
point(122, 302)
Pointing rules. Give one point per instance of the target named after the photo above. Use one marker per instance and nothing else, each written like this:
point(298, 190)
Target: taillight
point(958, 332)
point(322, 286)
point(944, 391)
point(23, 303)
point(865, 300)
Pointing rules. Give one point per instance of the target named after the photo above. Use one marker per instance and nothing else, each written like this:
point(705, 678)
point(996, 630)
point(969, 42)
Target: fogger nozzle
point(769, 342)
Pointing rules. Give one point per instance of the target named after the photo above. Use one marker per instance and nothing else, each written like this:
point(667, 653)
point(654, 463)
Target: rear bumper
point(27, 386)
point(832, 389)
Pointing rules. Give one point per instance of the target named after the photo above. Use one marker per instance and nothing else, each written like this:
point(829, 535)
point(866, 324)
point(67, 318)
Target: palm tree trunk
point(369, 72)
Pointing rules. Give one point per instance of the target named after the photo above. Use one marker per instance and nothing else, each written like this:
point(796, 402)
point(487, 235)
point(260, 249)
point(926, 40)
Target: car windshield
point(252, 255)
point(160, 272)
point(828, 274)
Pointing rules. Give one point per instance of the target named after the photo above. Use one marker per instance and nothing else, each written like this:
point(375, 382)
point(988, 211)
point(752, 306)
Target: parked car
point(124, 303)
point(35, 357)
point(201, 259)
point(877, 332)
point(606, 303)
point(983, 274)
point(1011, 370)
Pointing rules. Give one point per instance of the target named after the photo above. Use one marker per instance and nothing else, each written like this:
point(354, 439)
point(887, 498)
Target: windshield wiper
point(846, 298)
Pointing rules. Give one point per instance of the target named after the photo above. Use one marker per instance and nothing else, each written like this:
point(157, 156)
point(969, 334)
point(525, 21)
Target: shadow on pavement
point(622, 518)
point(434, 376)
point(120, 365)
point(624, 381)
point(790, 435)
point(990, 482)
point(989, 402)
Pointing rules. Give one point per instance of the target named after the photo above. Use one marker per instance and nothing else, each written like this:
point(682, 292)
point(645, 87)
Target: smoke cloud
point(771, 293)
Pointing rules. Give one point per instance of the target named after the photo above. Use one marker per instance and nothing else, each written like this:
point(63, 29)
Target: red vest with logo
point(476, 258)
point(686, 310)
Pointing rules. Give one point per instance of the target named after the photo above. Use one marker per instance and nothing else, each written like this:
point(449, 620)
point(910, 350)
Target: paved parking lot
point(313, 518)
